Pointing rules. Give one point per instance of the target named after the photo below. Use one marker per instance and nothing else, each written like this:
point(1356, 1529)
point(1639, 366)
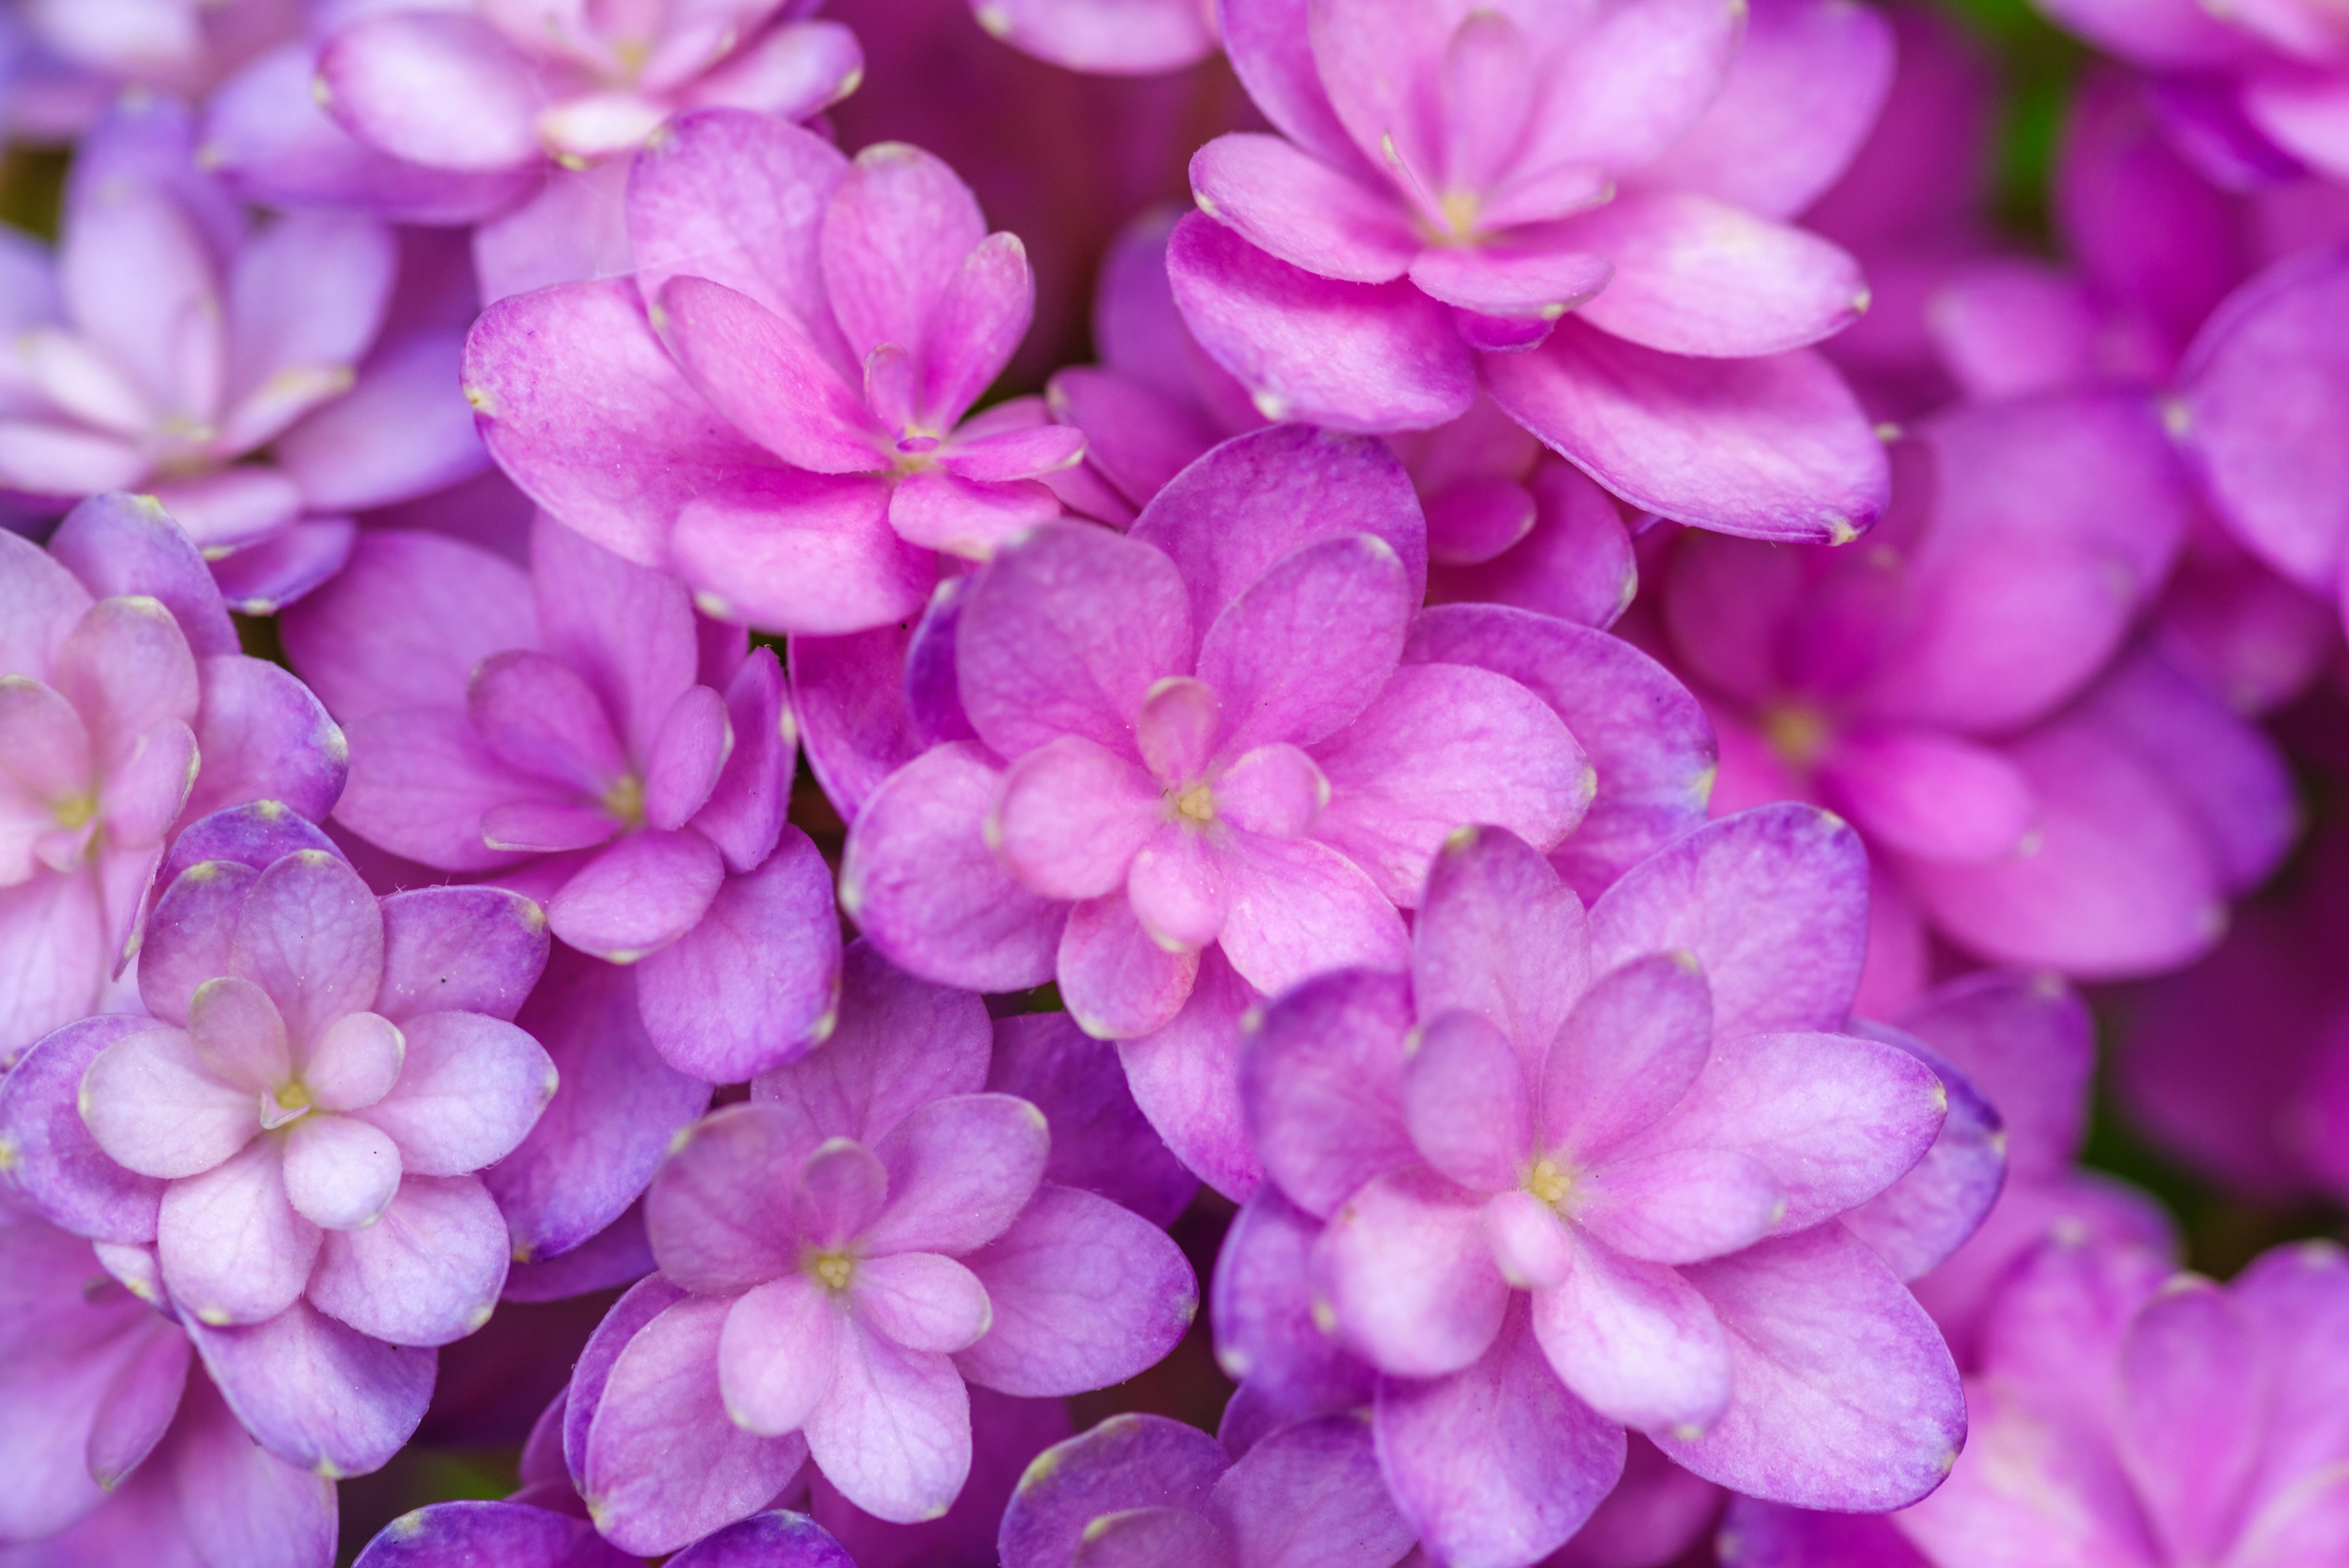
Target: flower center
point(74, 810)
point(1196, 805)
point(1548, 1183)
point(1461, 209)
point(625, 800)
point(284, 1105)
point(834, 1269)
point(1797, 733)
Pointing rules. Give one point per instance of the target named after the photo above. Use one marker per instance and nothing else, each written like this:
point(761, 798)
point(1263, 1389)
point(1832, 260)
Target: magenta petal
point(1085, 1294)
point(380, 74)
point(1322, 1083)
point(1773, 903)
point(1465, 1098)
point(1261, 1307)
point(1293, 206)
point(1259, 498)
point(919, 880)
point(973, 330)
point(2190, 1349)
point(714, 1211)
point(800, 552)
point(1299, 908)
point(893, 1432)
point(1633, 1045)
point(1354, 355)
point(1410, 1275)
point(1184, 1079)
point(400, 434)
point(1309, 643)
point(59, 1167)
point(317, 1394)
point(597, 1142)
point(1130, 1461)
point(744, 813)
point(471, 949)
point(639, 896)
point(752, 985)
point(1846, 1397)
point(1653, 428)
point(1310, 1493)
point(1100, 1141)
point(764, 374)
point(1443, 747)
point(1071, 815)
point(1932, 795)
point(1927, 1215)
point(899, 225)
point(116, 544)
point(406, 622)
point(1065, 633)
point(660, 1464)
point(1696, 276)
point(1120, 981)
point(960, 1170)
point(1526, 289)
point(777, 1353)
point(1634, 1340)
point(901, 1045)
point(1497, 935)
point(1499, 1462)
point(551, 422)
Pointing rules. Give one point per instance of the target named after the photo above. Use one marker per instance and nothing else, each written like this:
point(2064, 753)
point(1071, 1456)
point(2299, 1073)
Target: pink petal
point(406, 622)
point(426, 1273)
point(340, 1173)
point(919, 880)
point(800, 552)
point(744, 813)
point(940, 509)
point(1653, 428)
point(381, 73)
point(1441, 747)
point(1352, 355)
point(922, 1301)
point(1499, 1461)
point(1176, 886)
point(1635, 1341)
point(1084, 1295)
point(972, 330)
point(899, 228)
point(661, 1465)
point(1846, 1397)
point(1632, 1046)
point(552, 419)
point(1323, 1081)
point(154, 1104)
point(1677, 1205)
point(1117, 980)
point(1309, 643)
point(535, 712)
point(2190, 1350)
point(1289, 204)
point(1693, 275)
point(310, 935)
point(232, 1249)
point(1299, 908)
point(1410, 1275)
point(960, 1170)
point(1142, 39)
point(1464, 1099)
point(1933, 796)
point(778, 1352)
point(469, 1090)
point(837, 1193)
point(1184, 1078)
point(1773, 903)
point(403, 431)
point(893, 1432)
point(1498, 936)
point(714, 1212)
point(1631, 84)
point(1528, 286)
point(639, 896)
point(765, 374)
point(1037, 452)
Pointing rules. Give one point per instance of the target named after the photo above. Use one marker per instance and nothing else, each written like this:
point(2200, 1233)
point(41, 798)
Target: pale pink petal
point(1635, 1341)
point(428, 1273)
point(232, 1249)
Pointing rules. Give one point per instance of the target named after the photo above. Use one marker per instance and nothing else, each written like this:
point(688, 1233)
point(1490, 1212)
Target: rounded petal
point(155, 1105)
point(469, 1091)
point(893, 1432)
point(317, 1394)
point(778, 1351)
point(340, 1173)
point(1636, 1340)
point(428, 1273)
point(57, 1166)
point(1410, 1276)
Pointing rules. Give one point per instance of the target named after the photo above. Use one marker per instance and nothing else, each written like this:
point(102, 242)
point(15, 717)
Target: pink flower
point(1562, 205)
point(791, 442)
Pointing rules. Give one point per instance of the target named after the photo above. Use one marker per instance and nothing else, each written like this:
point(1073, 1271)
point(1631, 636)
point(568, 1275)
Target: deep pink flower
point(1563, 207)
point(921, 1246)
point(1143, 1491)
point(125, 710)
point(1960, 689)
point(438, 114)
point(842, 315)
point(119, 1448)
point(1579, 1174)
point(240, 372)
point(580, 732)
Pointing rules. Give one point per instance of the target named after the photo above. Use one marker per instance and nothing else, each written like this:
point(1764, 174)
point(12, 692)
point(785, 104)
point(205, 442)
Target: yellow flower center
point(74, 810)
point(834, 1269)
point(1548, 1183)
point(1196, 805)
point(625, 800)
point(1797, 733)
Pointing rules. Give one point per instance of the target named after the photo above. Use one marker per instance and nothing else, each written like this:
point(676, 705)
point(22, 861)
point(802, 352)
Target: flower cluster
point(735, 742)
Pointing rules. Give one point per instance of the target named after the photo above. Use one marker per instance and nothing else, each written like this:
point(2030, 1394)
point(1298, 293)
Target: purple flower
point(1942, 688)
point(916, 1250)
point(517, 1536)
point(1579, 1174)
point(579, 731)
point(65, 63)
point(1203, 760)
point(239, 372)
point(804, 452)
point(2253, 95)
point(1505, 524)
point(1143, 1491)
point(315, 1093)
point(118, 670)
point(453, 113)
point(1562, 205)
point(119, 1449)
point(1106, 38)
point(2127, 1414)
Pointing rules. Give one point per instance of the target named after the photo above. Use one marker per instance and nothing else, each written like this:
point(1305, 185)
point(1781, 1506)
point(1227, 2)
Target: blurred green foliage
point(2037, 64)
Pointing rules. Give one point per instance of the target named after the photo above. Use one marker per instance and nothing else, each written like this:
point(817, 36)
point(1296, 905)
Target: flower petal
point(428, 1273)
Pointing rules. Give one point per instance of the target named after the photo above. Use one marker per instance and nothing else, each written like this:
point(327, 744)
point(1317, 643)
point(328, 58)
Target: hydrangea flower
point(1560, 205)
point(440, 114)
point(916, 1250)
point(63, 63)
point(118, 1448)
point(242, 373)
point(125, 708)
point(1583, 1173)
point(1921, 686)
point(1505, 524)
point(787, 420)
point(1143, 1491)
point(2254, 94)
point(1108, 37)
point(515, 1535)
point(577, 730)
